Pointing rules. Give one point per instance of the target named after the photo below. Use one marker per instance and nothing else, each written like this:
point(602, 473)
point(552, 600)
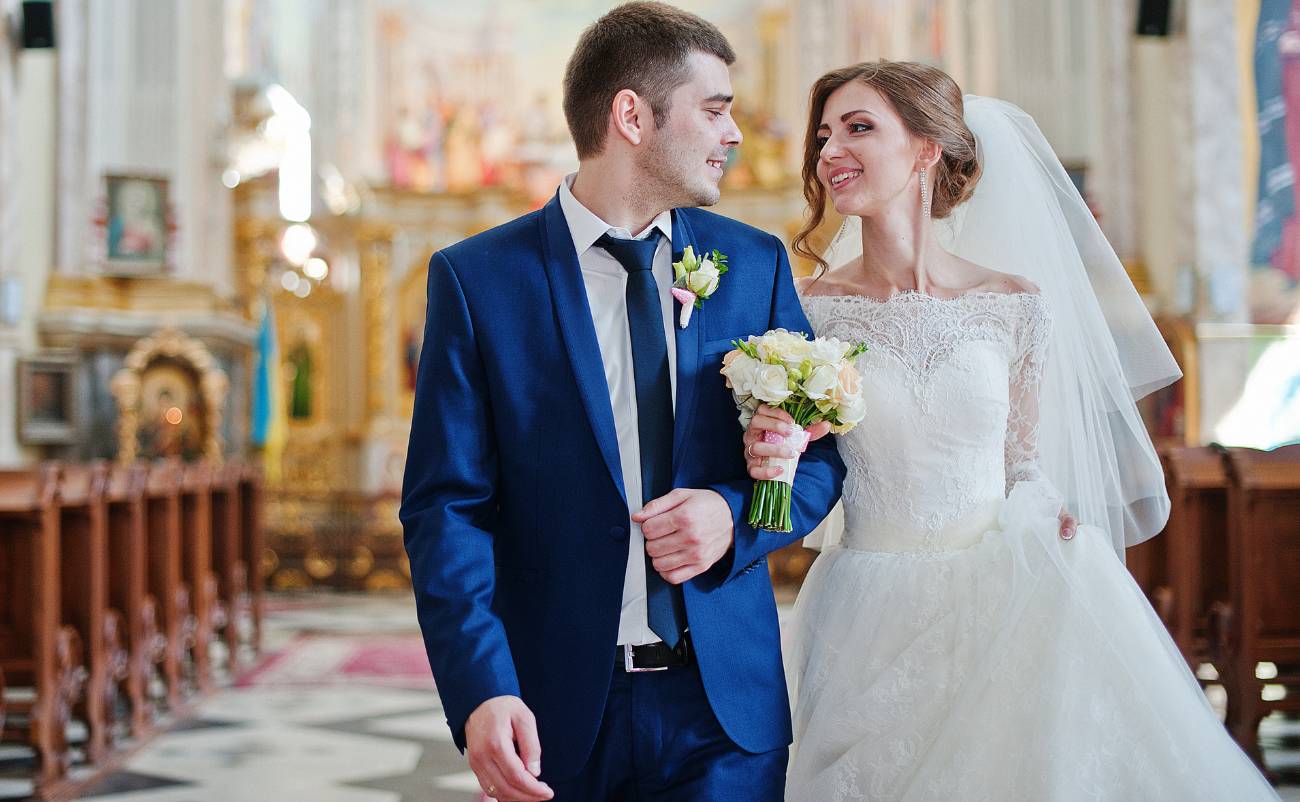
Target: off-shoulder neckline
point(917, 294)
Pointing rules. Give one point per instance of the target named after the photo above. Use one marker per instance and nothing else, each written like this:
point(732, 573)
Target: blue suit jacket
point(513, 505)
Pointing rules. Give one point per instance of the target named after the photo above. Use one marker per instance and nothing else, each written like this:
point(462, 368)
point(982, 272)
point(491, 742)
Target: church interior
point(215, 224)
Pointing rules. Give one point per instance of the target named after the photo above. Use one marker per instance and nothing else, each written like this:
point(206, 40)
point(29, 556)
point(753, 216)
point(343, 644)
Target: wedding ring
point(749, 454)
point(492, 791)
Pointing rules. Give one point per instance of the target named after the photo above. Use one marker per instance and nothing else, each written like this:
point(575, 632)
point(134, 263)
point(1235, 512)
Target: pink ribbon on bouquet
point(797, 438)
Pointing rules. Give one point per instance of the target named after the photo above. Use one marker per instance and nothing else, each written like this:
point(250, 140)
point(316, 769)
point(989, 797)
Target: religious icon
point(47, 399)
point(300, 376)
point(171, 415)
point(137, 224)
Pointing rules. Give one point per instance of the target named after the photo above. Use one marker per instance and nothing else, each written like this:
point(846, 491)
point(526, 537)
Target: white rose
point(785, 347)
point(739, 368)
point(771, 384)
point(851, 414)
point(747, 411)
point(796, 353)
point(704, 280)
point(820, 382)
point(827, 350)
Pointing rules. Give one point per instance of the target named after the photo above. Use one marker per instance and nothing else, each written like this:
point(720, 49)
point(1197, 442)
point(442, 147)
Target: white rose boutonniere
point(695, 279)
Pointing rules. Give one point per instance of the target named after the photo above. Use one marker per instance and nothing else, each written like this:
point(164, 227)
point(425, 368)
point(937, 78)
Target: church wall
point(137, 90)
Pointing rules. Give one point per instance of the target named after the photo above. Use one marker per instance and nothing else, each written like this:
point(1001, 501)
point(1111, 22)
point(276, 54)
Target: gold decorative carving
point(168, 344)
point(256, 247)
point(363, 560)
point(109, 293)
point(291, 579)
point(1139, 275)
point(376, 249)
point(318, 565)
point(412, 300)
point(386, 579)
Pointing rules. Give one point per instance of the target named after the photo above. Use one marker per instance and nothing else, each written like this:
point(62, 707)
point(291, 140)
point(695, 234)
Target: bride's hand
point(775, 424)
point(1069, 525)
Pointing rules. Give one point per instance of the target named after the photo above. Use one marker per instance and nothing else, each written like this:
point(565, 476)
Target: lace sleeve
point(1029, 353)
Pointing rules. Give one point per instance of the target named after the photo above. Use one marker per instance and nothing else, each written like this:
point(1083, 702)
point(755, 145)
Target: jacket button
point(618, 532)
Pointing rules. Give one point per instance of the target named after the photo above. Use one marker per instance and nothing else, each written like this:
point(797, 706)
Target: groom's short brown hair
point(642, 46)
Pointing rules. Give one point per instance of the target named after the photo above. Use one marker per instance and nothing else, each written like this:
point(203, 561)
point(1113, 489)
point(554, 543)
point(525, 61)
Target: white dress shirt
point(606, 284)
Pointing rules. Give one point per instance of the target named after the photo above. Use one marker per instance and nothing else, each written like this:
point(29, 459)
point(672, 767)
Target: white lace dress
point(952, 647)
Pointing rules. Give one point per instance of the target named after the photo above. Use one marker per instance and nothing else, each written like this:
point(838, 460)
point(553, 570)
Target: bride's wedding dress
point(952, 646)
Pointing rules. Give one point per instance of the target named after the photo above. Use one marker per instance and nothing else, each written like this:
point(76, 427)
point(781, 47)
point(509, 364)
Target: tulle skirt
point(1021, 667)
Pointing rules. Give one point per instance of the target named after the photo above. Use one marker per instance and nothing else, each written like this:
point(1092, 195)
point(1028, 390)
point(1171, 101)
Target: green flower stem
point(770, 507)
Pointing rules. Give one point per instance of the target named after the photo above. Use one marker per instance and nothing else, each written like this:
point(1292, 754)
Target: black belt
point(656, 656)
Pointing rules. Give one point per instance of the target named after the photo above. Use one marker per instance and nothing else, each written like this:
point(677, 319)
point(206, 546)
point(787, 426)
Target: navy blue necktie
point(654, 411)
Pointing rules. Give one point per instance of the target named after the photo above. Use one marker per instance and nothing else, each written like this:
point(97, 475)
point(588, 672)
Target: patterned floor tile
point(347, 714)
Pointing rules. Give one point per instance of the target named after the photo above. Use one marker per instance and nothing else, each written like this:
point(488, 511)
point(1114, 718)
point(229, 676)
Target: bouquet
point(813, 380)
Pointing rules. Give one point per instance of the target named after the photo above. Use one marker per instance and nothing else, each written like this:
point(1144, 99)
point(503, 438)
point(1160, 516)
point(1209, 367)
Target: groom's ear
point(630, 116)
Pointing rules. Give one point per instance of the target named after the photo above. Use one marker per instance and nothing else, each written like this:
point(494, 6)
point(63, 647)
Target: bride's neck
point(895, 248)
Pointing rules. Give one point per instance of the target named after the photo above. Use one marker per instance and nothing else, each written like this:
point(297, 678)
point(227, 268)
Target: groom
point(597, 613)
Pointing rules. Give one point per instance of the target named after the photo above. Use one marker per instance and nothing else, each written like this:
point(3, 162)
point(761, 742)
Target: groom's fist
point(504, 751)
point(686, 532)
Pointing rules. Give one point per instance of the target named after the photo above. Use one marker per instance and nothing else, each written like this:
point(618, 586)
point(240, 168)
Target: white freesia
point(688, 262)
point(771, 384)
point(821, 382)
point(703, 280)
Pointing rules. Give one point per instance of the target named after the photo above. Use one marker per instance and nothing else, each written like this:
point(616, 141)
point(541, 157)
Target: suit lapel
point(688, 347)
point(574, 312)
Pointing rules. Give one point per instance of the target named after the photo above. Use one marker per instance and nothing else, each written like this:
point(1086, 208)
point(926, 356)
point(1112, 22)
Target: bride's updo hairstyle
point(929, 102)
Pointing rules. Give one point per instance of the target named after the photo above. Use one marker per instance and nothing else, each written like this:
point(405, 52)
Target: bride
point(964, 637)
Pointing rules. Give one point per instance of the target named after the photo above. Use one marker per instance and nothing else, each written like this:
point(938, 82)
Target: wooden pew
point(35, 650)
point(128, 589)
point(227, 559)
point(1264, 562)
point(1148, 562)
point(1197, 546)
point(196, 566)
point(83, 586)
point(163, 541)
point(252, 546)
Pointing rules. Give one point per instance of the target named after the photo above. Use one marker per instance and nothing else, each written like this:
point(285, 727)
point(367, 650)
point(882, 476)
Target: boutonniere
point(695, 279)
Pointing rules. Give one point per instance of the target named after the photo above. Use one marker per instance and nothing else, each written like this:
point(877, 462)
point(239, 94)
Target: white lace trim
point(920, 332)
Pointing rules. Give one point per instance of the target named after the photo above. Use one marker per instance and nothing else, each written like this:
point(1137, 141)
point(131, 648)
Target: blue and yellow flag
point(270, 427)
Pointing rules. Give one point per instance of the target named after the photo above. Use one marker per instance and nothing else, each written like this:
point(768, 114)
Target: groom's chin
point(706, 195)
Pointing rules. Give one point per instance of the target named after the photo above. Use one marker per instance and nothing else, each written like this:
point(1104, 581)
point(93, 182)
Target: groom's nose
point(732, 137)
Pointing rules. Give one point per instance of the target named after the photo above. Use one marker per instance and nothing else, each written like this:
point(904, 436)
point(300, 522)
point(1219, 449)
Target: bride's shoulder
point(814, 285)
point(1006, 283)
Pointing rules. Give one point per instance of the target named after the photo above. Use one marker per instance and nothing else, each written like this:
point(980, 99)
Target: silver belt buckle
point(630, 668)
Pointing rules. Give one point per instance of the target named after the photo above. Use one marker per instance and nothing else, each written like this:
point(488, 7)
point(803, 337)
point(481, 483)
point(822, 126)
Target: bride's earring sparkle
point(925, 195)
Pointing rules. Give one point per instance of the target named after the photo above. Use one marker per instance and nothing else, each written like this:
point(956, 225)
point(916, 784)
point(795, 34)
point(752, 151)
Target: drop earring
point(925, 195)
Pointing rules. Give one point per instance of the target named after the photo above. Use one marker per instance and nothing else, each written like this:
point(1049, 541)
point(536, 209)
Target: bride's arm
point(1030, 355)
point(1033, 333)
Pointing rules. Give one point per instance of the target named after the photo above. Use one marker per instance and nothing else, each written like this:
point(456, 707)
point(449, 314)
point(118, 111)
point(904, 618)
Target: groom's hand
point(504, 751)
point(686, 532)
point(759, 444)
